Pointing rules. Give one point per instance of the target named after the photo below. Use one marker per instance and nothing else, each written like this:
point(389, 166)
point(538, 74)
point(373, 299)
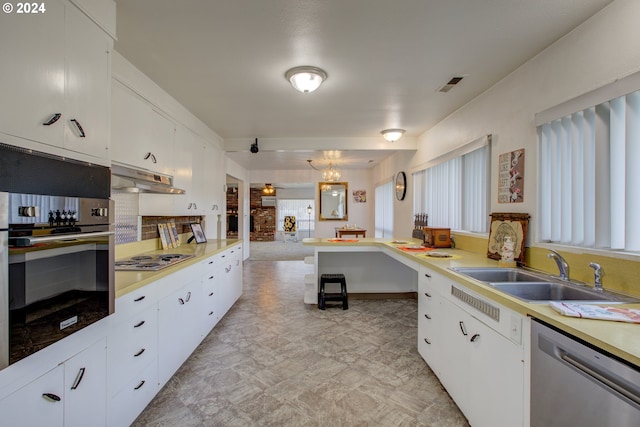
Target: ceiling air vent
point(450, 84)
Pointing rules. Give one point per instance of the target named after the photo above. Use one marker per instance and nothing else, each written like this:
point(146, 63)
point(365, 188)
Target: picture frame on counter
point(512, 225)
point(198, 234)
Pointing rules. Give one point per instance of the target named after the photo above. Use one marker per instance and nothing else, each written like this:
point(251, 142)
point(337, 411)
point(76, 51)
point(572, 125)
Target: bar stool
point(323, 297)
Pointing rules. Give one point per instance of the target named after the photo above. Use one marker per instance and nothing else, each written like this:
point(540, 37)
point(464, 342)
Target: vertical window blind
point(384, 210)
point(455, 192)
point(298, 209)
point(589, 175)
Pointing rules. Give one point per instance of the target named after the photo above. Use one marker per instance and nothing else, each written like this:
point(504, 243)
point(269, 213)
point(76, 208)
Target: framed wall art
point(513, 225)
point(511, 177)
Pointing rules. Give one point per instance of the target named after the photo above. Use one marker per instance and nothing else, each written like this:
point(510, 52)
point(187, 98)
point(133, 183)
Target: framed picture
point(513, 225)
point(198, 234)
point(511, 177)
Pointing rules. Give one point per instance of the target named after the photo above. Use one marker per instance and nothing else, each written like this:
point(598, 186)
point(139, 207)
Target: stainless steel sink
point(495, 275)
point(548, 291)
point(539, 287)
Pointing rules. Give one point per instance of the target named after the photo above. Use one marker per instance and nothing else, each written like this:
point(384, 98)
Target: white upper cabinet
point(55, 73)
point(140, 136)
point(33, 74)
point(87, 86)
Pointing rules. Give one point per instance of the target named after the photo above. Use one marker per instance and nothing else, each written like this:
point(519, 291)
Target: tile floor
point(271, 361)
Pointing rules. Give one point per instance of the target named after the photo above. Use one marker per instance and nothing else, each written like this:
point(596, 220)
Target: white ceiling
point(225, 61)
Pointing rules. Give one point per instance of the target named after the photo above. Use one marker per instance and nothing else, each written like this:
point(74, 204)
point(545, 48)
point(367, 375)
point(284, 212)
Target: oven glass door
point(60, 276)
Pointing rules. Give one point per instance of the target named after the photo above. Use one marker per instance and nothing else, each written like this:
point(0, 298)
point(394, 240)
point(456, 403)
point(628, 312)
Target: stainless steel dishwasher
point(573, 384)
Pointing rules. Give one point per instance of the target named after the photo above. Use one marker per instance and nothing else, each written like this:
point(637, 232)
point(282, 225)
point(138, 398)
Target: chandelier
point(330, 174)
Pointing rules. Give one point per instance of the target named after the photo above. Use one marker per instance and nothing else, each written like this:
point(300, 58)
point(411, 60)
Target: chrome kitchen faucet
point(563, 267)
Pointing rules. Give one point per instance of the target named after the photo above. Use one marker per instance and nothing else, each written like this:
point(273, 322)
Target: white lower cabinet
point(429, 319)
point(179, 327)
point(134, 397)
point(39, 403)
point(482, 366)
point(71, 394)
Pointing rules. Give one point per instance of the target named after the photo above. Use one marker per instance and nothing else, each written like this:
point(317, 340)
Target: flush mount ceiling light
point(392, 135)
point(306, 79)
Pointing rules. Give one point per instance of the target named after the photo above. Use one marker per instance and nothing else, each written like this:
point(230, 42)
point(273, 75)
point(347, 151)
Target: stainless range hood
point(135, 180)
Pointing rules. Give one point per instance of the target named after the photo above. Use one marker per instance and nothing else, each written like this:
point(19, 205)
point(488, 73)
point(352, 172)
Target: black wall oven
point(56, 249)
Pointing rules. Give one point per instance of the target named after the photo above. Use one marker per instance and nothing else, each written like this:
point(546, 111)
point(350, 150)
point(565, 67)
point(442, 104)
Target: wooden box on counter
point(437, 237)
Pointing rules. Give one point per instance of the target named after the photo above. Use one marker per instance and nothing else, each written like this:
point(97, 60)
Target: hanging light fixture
point(306, 78)
point(392, 135)
point(331, 174)
point(268, 189)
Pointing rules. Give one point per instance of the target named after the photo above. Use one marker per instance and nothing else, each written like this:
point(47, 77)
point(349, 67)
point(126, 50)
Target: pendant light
point(306, 79)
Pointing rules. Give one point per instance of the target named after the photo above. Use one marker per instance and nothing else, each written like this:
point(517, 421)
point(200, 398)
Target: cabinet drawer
point(133, 345)
point(136, 301)
point(140, 388)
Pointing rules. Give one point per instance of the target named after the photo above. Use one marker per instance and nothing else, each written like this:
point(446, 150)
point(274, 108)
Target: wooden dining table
point(340, 232)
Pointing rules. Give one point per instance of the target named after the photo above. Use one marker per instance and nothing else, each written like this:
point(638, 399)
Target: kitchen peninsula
point(449, 303)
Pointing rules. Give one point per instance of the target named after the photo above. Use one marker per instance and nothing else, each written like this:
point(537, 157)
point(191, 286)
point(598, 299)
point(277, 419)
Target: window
point(297, 208)
point(454, 190)
point(589, 170)
point(384, 210)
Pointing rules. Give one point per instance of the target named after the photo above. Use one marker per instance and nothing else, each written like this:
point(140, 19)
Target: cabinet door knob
point(53, 119)
point(210, 313)
point(211, 294)
point(78, 379)
point(51, 397)
point(81, 133)
point(151, 156)
point(463, 329)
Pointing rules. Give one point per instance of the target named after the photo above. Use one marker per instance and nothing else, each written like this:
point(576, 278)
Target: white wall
point(600, 51)
point(402, 210)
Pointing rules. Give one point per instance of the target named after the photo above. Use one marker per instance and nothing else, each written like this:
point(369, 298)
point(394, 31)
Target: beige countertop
point(620, 339)
point(128, 281)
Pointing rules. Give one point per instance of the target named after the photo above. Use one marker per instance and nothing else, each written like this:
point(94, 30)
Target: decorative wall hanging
point(511, 177)
point(513, 226)
point(360, 196)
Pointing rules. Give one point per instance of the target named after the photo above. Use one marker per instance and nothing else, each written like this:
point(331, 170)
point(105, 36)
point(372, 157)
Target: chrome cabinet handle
point(78, 379)
point(475, 337)
point(51, 397)
point(181, 301)
point(139, 385)
point(427, 295)
point(427, 316)
point(427, 275)
point(188, 296)
point(53, 119)
point(140, 298)
point(137, 325)
point(210, 313)
point(81, 133)
point(463, 329)
point(427, 341)
point(139, 352)
point(211, 294)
